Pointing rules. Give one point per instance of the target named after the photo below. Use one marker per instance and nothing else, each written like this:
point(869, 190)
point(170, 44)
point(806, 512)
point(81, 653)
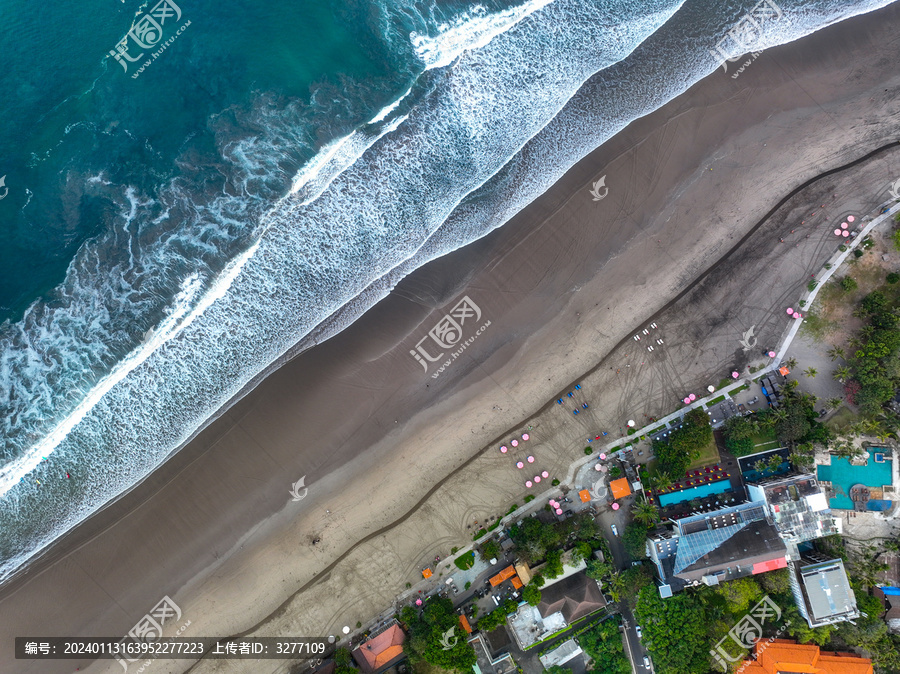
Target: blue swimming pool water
point(694, 492)
point(843, 476)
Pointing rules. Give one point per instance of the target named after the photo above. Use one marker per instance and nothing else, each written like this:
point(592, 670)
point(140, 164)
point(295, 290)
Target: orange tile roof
point(783, 371)
point(426, 573)
point(620, 488)
point(507, 573)
point(378, 651)
point(464, 623)
point(585, 495)
point(784, 655)
point(516, 583)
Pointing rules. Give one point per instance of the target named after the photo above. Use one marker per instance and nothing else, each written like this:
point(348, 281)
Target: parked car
point(614, 530)
point(647, 661)
point(637, 628)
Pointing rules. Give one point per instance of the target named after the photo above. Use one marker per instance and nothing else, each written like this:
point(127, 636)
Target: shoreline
point(489, 379)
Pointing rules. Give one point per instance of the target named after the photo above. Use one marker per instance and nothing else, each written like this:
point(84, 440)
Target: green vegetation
point(343, 663)
point(811, 285)
point(857, 253)
point(490, 550)
point(615, 472)
point(534, 540)
point(683, 445)
point(603, 644)
point(531, 594)
point(588, 451)
point(426, 641)
point(645, 512)
point(716, 401)
point(493, 620)
point(893, 278)
point(467, 585)
point(529, 498)
point(896, 238)
point(675, 631)
point(634, 538)
point(478, 534)
point(555, 482)
point(740, 434)
point(553, 566)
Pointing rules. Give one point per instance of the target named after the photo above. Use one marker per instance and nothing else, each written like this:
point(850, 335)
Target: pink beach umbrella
point(846, 234)
point(798, 315)
point(837, 232)
point(598, 467)
point(687, 401)
point(602, 457)
point(615, 506)
point(692, 397)
point(844, 225)
point(790, 310)
point(735, 375)
point(559, 511)
point(418, 602)
point(515, 443)
point(545, 474)
point(504, 449)
point(528, 483)
point(771, 354)
point(525, 436)
point(519, 464)
point(530, 459)
point(850, 218)
point(553, 503)
point(537, 478)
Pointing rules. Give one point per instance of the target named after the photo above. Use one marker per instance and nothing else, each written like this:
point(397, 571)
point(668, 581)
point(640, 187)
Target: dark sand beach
point(397, 463)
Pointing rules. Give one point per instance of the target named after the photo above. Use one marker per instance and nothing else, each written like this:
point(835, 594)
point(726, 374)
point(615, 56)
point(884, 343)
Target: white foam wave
point(472, 30)
point(185, 310)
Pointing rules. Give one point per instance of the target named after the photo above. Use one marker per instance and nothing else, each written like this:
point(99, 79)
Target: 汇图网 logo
point(745, 34)
point(448, 334)
point(894, 190)
point(748, 632)
point(147, 33)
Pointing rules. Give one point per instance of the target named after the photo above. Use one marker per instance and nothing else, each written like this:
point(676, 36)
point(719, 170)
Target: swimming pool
point(699, 491)
point(843, 476)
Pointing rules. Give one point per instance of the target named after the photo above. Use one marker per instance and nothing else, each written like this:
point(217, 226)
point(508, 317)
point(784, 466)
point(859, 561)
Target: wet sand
point(398, 464)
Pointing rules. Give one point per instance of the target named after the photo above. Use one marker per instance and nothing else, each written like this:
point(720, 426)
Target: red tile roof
point(380, 650)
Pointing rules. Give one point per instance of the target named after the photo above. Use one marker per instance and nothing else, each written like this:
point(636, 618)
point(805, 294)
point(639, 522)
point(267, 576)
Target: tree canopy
point(674, 454)
point(431, 630)
point(674, 631)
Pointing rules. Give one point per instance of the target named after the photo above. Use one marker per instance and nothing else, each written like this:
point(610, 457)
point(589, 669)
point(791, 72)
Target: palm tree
point(835, 352)
point(760, 466)
point(791, 385)
point(810, 372)
point(868, 569)
point(780, 414)
point(842, 374)
point(791, 363)
point(645, 512)
point(662, 481)
point(834, 403)
point(616, 586)
point(854, 342)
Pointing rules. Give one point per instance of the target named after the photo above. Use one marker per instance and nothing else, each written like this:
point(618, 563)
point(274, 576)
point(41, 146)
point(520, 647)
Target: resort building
point(564, 602)
point(712, 548)
point(560, 655)
point(797, 507)
point(861, 485)
point(509, 573)
point(783, 656)
point(381, 650)
point(492, 653)
point(822, 590)
point(890, 600)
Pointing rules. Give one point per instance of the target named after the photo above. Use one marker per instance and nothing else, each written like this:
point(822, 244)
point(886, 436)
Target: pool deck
point(843, 476)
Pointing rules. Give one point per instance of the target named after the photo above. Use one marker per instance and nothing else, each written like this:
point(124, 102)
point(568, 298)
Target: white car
point(647, 662)
point(637, 628)
point(614, 530)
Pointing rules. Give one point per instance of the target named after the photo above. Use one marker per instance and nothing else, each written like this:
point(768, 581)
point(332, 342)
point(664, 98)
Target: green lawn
point(742, 387)
point(765, 439)
point(716, 401)
point(841, 419)
point(708, 456)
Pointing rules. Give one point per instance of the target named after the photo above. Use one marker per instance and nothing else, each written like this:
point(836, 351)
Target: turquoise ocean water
point(190, 188)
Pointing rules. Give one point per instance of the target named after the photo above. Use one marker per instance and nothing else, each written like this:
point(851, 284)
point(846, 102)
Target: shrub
point(454, 550)
point(811, 285)
point(893, 277)
point(842, 248)
point(468, 585)
point(588, 450)
point(851, 390)
point(896, 237)
point(532, 595)
point(555, 482)
point(529, 498)
point(615, 472)
point(827, 265)
point(802, 303)
point(848, 284)
point(857, 253)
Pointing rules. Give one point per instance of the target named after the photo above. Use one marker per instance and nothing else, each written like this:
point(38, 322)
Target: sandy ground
point(399, 466)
